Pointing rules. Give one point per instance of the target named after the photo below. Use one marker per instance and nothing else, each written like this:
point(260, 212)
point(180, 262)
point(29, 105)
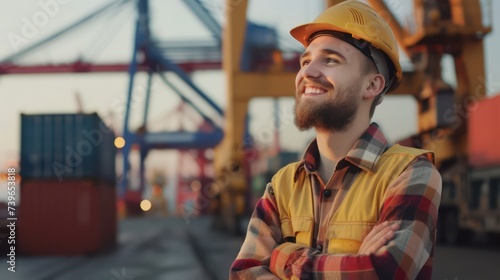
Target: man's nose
point(311, 70)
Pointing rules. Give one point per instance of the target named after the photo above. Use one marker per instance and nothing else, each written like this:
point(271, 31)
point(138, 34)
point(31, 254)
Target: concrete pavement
point(148, 248)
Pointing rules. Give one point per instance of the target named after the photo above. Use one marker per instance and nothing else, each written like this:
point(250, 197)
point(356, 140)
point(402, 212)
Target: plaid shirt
point(413, 199)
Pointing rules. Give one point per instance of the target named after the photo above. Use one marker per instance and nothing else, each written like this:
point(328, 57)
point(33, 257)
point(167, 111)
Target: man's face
point(328, 85)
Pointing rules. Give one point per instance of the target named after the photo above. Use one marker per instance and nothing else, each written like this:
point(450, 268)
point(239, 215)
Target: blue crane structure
point(157, 58)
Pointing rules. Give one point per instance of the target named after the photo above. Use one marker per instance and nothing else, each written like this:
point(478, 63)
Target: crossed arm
point(401, 250)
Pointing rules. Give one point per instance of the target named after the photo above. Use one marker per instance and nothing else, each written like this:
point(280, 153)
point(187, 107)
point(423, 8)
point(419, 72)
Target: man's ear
point(375, 86)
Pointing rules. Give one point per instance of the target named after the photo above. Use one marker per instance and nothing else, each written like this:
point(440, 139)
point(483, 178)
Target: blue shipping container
point(67, 146)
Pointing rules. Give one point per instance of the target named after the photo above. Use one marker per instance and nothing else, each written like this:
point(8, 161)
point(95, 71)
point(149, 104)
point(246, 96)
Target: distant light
point(145, 205)
point(119, 142)
point(195, 185)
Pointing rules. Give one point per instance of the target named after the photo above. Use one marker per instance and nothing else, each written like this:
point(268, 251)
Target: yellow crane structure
point(453, 27)
point(231, 184)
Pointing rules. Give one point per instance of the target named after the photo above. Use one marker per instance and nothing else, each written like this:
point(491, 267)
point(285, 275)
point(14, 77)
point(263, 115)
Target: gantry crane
point(156, 58)
point(456, 28)
point(148, 56)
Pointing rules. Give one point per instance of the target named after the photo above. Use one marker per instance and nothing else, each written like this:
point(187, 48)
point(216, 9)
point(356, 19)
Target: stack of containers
point(484, 132)
point(68, 193)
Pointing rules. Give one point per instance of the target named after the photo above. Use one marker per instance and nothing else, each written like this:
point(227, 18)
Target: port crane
point(156, 58)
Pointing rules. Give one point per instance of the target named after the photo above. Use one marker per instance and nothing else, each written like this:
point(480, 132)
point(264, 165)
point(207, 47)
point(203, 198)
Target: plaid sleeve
point(263, 235)
point(413, 199)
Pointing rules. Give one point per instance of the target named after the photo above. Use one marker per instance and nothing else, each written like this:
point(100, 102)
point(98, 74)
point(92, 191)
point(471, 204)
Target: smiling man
point(353, 207)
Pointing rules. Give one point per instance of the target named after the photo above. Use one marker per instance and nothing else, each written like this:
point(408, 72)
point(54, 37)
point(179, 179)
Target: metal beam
point(130, 138)
point(236, 110)
point(85, 67)
point(204, 15)
point(169, 65)
point(411, 84)
point(229, 161)
point(185, 99)
point(272, 84)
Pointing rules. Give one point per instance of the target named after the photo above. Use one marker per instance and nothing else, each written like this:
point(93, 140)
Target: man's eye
point(332, 60)
point(304, 63)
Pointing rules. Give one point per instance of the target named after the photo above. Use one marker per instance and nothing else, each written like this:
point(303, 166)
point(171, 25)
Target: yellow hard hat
point(357, 23)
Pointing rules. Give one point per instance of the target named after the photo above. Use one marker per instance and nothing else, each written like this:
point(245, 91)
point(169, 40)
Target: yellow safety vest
point(357, 214)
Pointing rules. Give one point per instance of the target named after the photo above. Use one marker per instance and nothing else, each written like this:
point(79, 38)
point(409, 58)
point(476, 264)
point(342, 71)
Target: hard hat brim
point(303, 32)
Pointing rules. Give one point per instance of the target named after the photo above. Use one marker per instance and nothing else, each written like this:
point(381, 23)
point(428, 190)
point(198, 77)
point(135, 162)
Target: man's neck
point(335, 145)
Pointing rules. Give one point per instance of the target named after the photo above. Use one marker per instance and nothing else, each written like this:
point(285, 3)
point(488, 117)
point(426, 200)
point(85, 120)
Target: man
point(352, 208)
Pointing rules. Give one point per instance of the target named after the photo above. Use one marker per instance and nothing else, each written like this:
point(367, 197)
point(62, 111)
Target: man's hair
point(367, 67)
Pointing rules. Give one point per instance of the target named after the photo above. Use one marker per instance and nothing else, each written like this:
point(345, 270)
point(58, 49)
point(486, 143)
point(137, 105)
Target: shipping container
point(484, 132)
point(72, 217)
point(66, 146)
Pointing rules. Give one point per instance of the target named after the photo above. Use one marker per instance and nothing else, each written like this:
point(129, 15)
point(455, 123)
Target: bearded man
point(354, 207)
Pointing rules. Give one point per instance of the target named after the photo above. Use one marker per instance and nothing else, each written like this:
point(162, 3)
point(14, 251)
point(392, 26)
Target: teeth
point(313, 90)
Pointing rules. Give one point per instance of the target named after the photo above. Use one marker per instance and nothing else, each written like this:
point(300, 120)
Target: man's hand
point(378, 237)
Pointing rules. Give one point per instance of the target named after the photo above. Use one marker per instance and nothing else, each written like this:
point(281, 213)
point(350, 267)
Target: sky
point(109, 39)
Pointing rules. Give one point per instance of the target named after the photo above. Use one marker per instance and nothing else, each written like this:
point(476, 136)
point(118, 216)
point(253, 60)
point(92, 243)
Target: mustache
point(316, 83)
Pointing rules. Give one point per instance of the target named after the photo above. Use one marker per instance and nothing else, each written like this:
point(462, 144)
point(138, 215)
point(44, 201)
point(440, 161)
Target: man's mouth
point(311, 90)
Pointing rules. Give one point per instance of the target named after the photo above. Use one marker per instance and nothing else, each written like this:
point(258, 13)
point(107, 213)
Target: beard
point(336, 113)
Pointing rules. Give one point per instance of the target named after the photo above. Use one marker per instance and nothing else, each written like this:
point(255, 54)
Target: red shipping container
point(484, 133)
point(66, 218)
